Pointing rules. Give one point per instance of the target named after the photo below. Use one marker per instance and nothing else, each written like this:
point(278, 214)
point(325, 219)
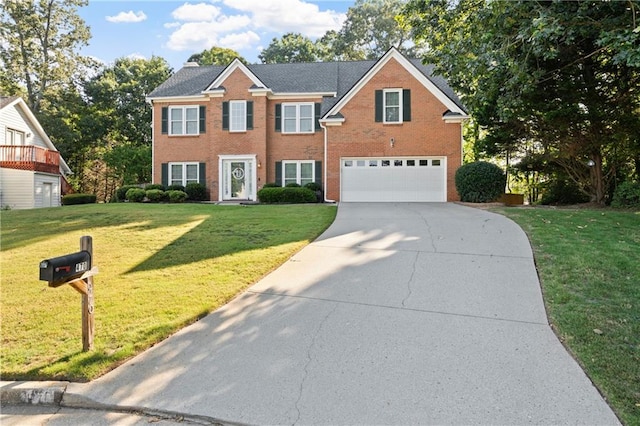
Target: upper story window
point(298, 118)
point(183, 120)
point(14, 137)
point(238, 116)
point(393, 106)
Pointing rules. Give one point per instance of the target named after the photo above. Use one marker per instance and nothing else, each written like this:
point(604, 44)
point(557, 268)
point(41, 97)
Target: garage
point(417, 179)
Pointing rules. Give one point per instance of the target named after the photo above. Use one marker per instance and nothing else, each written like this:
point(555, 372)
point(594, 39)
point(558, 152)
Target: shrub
point(286, 195)
point(136, 195)
point(154, 186)
point(121, 193)
point(314, 186)
point(156, 195)
point(480, 182)
point(196, 191)
point(175, 188)
point(292, 185)
point(627, 194)
point(176, 196)
point(71, 199)
point(271, 185)
point(562, 191)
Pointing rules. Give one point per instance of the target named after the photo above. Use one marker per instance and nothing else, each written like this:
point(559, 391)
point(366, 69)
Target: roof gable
point(236, 64)
point(419, 75)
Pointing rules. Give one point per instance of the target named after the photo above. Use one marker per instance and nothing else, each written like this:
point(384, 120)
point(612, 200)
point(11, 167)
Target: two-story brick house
point(385, 130)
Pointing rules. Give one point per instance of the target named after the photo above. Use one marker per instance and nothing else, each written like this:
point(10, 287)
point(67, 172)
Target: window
point(386, 163)
point(435, 163)
point(298, 118)
point(14, 137)
point(424, 162)
point(183, 173)
point(392, 106)
point(397, 163)
point(184, 120)
point(300, 172)
point(411, 163)
point(238, 116)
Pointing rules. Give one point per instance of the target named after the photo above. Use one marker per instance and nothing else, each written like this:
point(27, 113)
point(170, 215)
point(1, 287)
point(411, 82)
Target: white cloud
point(196, 12)
point(195, 36)
point(127, 17)
point(172, 25)
point(239, 41)
point(284, 16)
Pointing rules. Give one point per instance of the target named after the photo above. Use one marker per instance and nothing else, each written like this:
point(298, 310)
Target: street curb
point(32, 393)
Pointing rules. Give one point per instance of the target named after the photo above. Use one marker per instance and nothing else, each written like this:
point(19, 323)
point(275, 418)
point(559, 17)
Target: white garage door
point(393, 179)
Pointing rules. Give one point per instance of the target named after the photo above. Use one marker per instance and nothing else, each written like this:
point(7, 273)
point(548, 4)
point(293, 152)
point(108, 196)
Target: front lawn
point(161, 267)
point(589, 267)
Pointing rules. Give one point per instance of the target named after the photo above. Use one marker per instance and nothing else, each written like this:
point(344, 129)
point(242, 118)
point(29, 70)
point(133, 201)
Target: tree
point(216, 56)
point(39, 41)
point(563, 75)
point(291, 47)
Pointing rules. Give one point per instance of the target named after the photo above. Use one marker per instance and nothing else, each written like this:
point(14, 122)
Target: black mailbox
point(60, 270)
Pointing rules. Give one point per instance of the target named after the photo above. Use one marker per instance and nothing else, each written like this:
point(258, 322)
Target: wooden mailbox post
point(75, 269)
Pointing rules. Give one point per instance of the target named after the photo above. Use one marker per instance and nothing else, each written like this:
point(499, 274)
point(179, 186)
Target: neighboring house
point(32, 172)
point(385, 130)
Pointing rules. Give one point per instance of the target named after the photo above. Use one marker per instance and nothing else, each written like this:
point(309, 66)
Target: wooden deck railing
point(29, 157)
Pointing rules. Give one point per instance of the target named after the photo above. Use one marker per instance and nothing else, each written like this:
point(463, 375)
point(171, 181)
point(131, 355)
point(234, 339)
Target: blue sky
point(176, 29)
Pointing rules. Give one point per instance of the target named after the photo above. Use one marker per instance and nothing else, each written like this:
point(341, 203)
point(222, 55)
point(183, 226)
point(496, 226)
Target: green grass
point(589, 267)
point(161, 267)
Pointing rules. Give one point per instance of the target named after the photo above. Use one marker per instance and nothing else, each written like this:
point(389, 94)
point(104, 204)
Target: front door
point(238, 180)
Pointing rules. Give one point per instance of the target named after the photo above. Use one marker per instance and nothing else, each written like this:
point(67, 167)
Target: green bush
point(154, 186)
point(176, 196)
point(480, 182)
point(314, 186)
point(175, 188)
point(121, 193)
point(271, 185)
point(292, 185)
point(196, 191)
point(156, 195)
point(561, 191)
point(70, 199)
point(294, 195)
point(627, 194)
point(136, 195)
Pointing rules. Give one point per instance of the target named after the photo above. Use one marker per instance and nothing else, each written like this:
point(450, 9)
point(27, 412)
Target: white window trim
point(183, 178)
point(10, 137)
point(184, 120)
point(384, 106)
point(298, 164)
point(298, 105)
point(231, 116)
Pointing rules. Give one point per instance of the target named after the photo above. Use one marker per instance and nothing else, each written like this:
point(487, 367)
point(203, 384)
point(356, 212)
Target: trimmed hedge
point(294, 195)
point(136, 195)
point(271, 185)
point(121, 193)
point(175, 188)
point(627, 194)
point(71, 199)
point(154, 186)
point(314, 186)
point(196, 191)
point(176, 196)
point(156, 195)
point(480, 182)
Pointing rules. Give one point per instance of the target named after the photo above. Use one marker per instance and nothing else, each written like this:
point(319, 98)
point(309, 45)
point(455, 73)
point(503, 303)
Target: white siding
point(16, 189)
point(13, 118)
point(39, 180)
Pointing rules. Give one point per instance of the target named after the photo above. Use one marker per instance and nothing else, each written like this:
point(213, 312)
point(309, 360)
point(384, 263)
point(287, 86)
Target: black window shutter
point(279, 173)
point(406, 105)
point(165, 120)
point(318, 106)
point(278, 117)
point(319, 172)
point(203, 174)
point(203, 117)
point(225, 116)
point(165, 174)
point(379, 106)
point(249, 115)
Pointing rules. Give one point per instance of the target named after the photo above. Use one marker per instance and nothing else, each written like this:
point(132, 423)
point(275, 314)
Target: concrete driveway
point(397, 314)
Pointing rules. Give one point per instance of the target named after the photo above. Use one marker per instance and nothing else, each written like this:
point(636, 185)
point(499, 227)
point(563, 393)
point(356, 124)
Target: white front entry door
point(238, 179)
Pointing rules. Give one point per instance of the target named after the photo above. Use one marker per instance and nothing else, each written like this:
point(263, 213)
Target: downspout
point(153, 143)
point(324, 178)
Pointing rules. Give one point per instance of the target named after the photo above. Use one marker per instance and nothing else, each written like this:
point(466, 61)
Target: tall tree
point(39, 43)
point(216, 56)
point(291, 47)
point(562, 74)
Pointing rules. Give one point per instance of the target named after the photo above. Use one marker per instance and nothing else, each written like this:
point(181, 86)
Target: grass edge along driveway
point(161, 267)
point(588, 261)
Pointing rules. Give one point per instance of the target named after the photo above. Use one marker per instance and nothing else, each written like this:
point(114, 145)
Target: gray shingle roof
point(6, 100)
point(316, 77)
